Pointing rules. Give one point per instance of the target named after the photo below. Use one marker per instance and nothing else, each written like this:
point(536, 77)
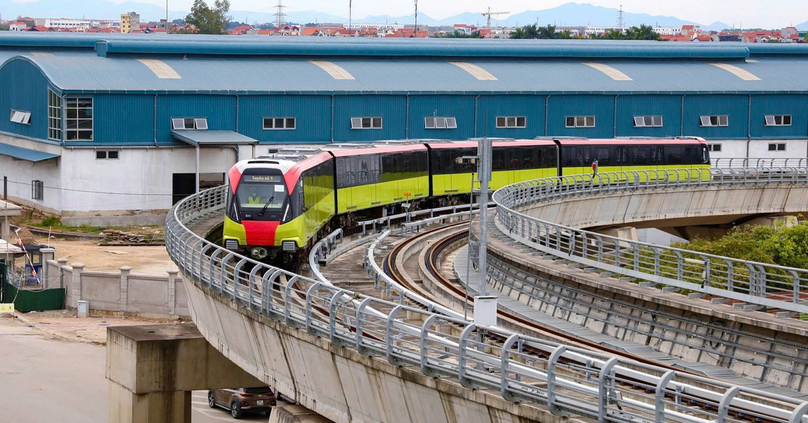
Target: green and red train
point(279, 205)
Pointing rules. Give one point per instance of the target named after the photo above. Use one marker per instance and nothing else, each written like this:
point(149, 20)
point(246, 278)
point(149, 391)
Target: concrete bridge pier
point(153, 369)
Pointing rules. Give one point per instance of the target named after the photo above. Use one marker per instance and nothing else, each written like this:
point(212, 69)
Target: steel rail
point(308, 304)
point(751, 282)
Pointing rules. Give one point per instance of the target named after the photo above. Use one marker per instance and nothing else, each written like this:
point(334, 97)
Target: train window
point(603, 157)
point(639, 156)
point(674, 154)
point(778, 120)
point(714, 120)
point(620, 155)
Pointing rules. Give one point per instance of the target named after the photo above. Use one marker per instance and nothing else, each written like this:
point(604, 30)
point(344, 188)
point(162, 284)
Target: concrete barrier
point(120, 292)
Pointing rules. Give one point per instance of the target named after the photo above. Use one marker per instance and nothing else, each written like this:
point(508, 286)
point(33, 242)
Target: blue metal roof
point(217, 138)
point(25, 154)
point(75, 72)
point(283, 65)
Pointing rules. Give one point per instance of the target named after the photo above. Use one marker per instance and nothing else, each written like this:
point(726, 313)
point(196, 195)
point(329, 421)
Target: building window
point(54, 116)
point(716, 120)
point(106, 154)
point(777, 146)
point(366, 123)
point(37, 190)
point(647, 121)
point(778, 120)
point(440, 123)
point(279, 123)
point(716, 148)
point(21, 117)
point(580, 121)
point(199, 124)
point(79, 119)
point(511, 122)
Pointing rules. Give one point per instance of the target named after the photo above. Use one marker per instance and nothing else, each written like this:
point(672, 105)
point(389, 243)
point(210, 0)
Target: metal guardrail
point(568, 380)
point(746, 163)
point(750, 282)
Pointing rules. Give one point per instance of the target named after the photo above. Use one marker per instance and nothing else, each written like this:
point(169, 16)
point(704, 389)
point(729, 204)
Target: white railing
point(567, 379)
point(751, 282)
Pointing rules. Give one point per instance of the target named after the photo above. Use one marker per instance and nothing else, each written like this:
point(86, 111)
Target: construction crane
point(490, 13)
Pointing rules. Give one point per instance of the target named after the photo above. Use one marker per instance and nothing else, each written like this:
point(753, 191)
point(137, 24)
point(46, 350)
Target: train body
point(276, 204)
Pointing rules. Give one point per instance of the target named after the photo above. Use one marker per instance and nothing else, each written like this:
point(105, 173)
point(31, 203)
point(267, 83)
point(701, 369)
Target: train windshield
point(256, 195)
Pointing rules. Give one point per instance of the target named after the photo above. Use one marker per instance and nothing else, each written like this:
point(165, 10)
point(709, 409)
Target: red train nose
point(260, 233)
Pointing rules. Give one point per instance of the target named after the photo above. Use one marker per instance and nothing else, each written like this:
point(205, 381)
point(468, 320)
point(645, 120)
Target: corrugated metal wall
point(24, 88)
point(456, 106)
point(667, 106)
point(313, 114)
point(794, 105)
point(122, 120)
point(391, 109)
point(600, 106)
point(734, 106)
point(219, 109)
point(529, 106)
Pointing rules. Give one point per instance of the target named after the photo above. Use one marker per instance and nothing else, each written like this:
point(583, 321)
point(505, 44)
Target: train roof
point(342, 151)
point(496, 143)
point(635, 141)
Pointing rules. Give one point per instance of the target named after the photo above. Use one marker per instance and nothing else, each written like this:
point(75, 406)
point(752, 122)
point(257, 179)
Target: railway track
point(455, 233)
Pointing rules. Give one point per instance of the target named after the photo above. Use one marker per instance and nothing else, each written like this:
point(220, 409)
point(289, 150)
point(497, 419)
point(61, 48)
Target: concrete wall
point(339, 383)
point(121, 291)
point(669, 208)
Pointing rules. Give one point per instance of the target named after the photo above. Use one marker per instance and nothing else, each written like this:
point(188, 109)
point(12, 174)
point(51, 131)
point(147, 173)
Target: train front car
point(277, 206)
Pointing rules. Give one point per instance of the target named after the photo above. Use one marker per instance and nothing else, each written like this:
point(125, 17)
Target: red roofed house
point(665, 37)
point(688, 30)
point(703, 38)
point(39, 28)
point(407, 33)
point(681, 38)
point(790, 33)
point(17, 26)
point(288, 31)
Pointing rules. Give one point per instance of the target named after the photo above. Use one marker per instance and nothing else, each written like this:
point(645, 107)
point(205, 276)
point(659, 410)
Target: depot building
point(113, 129)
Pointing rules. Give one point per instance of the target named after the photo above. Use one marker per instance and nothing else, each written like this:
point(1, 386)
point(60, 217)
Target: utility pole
point(415, 33)
point(485, 306)
point(350, 16)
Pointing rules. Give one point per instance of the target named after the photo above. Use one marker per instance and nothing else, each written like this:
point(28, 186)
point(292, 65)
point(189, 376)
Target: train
point(279, 205)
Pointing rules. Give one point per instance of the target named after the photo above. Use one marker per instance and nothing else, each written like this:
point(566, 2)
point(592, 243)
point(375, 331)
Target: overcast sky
point(769, 13)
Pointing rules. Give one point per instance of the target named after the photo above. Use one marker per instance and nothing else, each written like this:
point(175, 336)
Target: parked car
point(243, 400)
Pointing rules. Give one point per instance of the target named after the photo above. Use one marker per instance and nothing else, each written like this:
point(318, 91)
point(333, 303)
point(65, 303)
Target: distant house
point(681, 38)
point(39, 28)
point(17, 26)
point(703, 39)
point(689, 30)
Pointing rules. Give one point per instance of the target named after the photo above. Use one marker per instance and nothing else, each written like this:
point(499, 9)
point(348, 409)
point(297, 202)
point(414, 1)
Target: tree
point(644, 32)
point(458, 34)
point(209, 20)
point(536, 32)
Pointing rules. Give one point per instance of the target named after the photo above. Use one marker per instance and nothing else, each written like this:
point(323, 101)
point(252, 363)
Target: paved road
point(45, 379)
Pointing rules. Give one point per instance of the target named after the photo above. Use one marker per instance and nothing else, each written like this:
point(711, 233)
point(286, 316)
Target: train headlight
point(289, 246)
point(259, 253)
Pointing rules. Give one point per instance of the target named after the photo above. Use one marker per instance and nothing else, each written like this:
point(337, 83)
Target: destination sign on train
point(263, 178)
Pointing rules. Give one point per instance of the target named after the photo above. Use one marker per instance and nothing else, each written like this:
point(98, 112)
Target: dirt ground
point(142, 260)
point(94, 328)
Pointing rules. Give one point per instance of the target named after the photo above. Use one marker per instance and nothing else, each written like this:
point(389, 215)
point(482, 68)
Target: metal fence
point(746, 163)
point(751, 282)
point(567, 379)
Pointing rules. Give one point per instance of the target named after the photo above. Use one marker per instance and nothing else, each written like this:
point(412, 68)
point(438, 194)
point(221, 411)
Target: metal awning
point(25, 153)
point(199, 138)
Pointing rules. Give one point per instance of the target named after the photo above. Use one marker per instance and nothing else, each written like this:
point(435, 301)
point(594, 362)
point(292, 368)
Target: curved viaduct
point(336, 355)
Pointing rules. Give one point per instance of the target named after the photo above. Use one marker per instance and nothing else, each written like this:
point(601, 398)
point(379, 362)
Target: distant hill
point(803, 26)
point(578, 14)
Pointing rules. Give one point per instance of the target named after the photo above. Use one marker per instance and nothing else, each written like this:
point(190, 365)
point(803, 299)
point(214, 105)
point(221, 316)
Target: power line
point(95, 192)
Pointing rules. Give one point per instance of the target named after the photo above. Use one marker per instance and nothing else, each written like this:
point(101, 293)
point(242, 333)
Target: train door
point(344, 178)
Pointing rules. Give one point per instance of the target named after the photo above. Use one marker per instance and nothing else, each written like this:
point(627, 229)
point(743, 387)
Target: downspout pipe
point(546, 112)
point(64, 117)
point(682, 118)
point(614, 124)
point(154, 123)
point(332, 118)
point(476, 104)
point(407, 119)
point(749, 127)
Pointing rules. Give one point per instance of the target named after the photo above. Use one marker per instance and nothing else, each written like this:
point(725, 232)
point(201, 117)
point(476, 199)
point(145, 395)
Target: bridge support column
point(153, 369)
